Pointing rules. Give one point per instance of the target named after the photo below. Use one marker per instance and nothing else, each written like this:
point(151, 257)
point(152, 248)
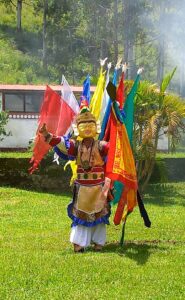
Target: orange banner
point(120, 164)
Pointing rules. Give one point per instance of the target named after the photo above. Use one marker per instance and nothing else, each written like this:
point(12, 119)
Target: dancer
point(90, 208)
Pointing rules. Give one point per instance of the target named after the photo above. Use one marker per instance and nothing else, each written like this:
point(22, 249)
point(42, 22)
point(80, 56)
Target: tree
point(19, 15)
point(157, 113)
point(133, 32)
point(3, 123)
point(55, 42)
point(44, 41)
point(18, 5)
point(76, 33)
point(161, 45)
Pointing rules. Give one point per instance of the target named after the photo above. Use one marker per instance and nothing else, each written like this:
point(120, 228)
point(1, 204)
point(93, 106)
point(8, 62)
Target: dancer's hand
point(102, 61)
point(43, 130)
point(124, 67)
point(118, 65)
point(140, 70)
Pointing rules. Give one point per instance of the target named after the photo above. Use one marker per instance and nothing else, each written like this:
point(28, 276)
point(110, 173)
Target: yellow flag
point(96, 101)
point(73, 165)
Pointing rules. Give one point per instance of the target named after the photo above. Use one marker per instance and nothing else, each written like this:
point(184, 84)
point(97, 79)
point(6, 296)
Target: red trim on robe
point(55, 141)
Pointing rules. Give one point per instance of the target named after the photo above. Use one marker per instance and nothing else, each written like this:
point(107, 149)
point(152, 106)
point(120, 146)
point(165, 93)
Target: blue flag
point(108, 109)
point(86, 89)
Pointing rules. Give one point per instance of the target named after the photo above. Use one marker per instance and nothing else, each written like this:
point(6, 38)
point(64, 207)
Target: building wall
point(163, 141)
point(0, 101)
point(22, 130)
point(163, 144)
point(23, 116)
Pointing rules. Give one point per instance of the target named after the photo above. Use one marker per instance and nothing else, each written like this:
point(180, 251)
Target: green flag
point(129, 109)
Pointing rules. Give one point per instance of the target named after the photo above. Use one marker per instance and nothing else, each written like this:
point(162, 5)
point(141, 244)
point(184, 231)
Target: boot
point(98, 247)
point(78, 249)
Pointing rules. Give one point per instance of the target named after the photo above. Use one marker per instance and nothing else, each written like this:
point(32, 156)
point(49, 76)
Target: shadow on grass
point(136, 250)
point(164, 195)
point(26, 188)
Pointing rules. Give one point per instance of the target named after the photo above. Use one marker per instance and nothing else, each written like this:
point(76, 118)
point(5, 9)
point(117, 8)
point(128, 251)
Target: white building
point(23, 104)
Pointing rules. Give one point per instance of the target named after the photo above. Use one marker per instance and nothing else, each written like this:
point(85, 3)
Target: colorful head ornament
point(85, 115)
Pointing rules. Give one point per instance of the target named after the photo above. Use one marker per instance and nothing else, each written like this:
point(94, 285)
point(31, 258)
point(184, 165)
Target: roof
point(27, 87)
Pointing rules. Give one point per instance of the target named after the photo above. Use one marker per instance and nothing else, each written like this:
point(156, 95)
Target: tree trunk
point(140, 163)
point(44, 46)
point(116, 51)
point(19, 15)
point(160, 68)
point(152, 162)
point(125, 7)
point(182, 77)
point(104, 49)
point(95, 52)
point(161, 50)
point(131, 61)
point(128, 39)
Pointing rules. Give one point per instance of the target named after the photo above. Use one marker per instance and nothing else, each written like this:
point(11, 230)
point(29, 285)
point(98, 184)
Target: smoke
point(163, 22)
point(174, 41)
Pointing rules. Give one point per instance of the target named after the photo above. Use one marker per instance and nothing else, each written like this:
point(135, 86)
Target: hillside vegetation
point(69, 37)
point(20, 52)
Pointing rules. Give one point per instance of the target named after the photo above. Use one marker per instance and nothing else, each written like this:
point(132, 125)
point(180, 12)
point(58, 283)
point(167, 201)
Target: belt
point(90, 176)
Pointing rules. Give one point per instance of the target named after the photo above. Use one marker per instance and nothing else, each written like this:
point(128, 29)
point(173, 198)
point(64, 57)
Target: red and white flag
point(58, 114)
point(69, 108)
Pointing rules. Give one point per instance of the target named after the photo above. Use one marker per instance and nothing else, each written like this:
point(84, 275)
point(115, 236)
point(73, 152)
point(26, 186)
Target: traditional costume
point(100, 164)
point(90, 208)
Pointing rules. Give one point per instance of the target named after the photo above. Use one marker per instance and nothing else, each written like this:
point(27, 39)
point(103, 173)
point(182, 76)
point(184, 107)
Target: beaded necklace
point(86, 163)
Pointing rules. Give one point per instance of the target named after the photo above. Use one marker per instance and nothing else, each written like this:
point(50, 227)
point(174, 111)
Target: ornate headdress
point(85, 116)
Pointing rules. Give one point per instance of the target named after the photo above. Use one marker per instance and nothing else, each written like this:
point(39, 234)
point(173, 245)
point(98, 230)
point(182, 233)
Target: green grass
point(16, 154)
point(37, 260)
point(28, 154)
point(162, 155)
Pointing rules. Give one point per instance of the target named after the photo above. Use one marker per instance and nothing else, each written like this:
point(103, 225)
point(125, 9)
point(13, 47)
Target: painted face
point(87, 129)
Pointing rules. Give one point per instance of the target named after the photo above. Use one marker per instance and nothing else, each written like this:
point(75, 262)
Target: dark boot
point(78, 249)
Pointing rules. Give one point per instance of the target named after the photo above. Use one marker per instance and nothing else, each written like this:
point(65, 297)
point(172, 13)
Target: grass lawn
point(17, 155)
point(37, 260)
point(161, 155)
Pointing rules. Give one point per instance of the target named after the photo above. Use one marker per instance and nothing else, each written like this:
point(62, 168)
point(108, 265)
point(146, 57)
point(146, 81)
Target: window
point(23, 102)
point(33, 102)
point(14, 102)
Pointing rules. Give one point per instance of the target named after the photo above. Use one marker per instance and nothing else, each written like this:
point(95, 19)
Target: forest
point(42, 39)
